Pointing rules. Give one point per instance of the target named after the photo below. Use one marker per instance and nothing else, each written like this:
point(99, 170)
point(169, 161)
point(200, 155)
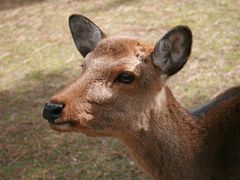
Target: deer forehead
point(118, 47)
point(116, 54)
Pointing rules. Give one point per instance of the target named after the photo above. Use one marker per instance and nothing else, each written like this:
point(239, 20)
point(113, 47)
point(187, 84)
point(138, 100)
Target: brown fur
point(166, 140)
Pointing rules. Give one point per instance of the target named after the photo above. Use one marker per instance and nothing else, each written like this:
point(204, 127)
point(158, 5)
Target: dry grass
point(38, 57)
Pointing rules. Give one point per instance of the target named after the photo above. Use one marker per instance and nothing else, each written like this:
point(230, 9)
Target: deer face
point(120, 80)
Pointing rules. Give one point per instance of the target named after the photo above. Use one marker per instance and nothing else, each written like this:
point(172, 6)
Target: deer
point(123, 93)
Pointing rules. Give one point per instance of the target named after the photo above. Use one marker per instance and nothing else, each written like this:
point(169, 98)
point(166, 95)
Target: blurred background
point(38, 58)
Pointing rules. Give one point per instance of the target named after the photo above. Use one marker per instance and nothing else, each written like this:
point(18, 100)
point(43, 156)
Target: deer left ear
point(85, 33)
point(172, 51)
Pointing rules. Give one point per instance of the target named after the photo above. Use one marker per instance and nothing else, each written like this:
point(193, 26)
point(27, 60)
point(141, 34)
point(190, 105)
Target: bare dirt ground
point(38, 57)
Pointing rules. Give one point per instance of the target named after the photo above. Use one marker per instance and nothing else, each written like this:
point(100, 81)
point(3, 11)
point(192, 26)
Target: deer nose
point(52, 111)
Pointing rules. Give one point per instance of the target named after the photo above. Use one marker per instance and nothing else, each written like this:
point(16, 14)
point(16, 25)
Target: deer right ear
point(85, 33)
point(172, 51)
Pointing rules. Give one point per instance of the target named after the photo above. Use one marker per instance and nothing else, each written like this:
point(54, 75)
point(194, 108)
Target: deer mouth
point(63, 126)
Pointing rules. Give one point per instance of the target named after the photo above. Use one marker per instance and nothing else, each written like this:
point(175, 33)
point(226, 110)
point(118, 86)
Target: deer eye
point(125, 77)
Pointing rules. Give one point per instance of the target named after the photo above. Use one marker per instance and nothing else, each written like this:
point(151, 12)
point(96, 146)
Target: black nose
point(52, 111)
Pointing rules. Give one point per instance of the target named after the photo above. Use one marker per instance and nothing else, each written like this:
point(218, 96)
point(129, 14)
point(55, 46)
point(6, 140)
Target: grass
point(38, 57)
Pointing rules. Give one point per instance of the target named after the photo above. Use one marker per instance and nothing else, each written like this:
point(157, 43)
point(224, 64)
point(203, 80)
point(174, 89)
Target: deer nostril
point(51, 111)
point(57, 108)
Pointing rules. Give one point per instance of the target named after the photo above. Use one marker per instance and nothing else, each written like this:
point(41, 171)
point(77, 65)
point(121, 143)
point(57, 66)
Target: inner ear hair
point(86, 34)
point(172, 50)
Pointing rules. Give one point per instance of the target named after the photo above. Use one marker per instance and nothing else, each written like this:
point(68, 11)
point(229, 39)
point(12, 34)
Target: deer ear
point(85, 33)
point(172, 51)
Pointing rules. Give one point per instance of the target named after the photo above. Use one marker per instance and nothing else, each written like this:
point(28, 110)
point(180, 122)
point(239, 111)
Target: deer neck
point(164, 149)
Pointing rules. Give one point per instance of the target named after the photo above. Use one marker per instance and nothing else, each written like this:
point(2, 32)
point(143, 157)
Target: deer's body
point(122, 93)
point(180, 145)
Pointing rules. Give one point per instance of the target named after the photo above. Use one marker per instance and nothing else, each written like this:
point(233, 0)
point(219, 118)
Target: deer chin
point(63, 126)
point(77, 126)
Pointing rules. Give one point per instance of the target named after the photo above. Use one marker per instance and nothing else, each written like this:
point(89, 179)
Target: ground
point(38, 57)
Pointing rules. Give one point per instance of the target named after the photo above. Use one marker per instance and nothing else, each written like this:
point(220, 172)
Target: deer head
point(121, 79)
